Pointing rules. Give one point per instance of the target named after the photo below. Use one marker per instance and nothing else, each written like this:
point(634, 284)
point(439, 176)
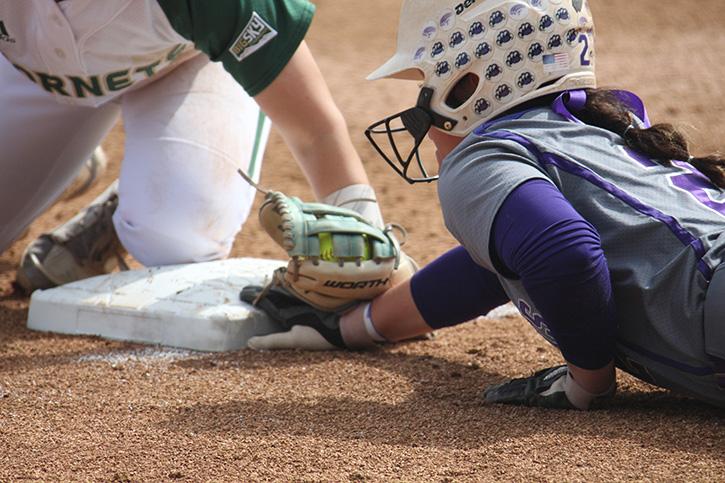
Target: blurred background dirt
point(87, 409)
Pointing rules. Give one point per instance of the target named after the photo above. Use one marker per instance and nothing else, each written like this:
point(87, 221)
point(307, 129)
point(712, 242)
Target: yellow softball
point(327, 251)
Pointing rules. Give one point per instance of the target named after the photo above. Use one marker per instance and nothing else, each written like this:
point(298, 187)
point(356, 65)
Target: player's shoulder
point(509, 132)
point(542, 129)
point(225, 11)
point(253, 39)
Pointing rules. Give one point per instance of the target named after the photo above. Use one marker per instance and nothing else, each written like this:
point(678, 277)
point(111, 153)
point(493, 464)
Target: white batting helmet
point(507, 51)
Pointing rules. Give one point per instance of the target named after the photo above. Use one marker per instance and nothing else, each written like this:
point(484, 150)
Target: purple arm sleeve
point(541, 239)
point(453, 289)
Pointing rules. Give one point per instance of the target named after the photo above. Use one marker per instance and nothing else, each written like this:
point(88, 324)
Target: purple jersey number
point(697, 184)
point(689, 180)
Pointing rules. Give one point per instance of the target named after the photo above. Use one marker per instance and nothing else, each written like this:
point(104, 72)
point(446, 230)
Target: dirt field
point(87, 409)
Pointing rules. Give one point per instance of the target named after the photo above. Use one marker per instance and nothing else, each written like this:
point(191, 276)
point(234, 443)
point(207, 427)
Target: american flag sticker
point(556, 62)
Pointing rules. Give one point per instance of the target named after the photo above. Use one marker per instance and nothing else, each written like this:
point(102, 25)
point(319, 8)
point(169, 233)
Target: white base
point(508, 310)
point(194, 306)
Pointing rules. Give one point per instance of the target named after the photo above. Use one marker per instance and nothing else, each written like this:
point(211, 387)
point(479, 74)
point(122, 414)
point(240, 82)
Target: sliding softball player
point(603, 230)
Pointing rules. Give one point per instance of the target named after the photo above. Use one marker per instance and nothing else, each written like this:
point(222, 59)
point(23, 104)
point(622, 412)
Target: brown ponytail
point(661, 142)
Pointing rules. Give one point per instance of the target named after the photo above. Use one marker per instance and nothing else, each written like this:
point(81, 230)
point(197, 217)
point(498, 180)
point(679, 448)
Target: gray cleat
point(84, 246)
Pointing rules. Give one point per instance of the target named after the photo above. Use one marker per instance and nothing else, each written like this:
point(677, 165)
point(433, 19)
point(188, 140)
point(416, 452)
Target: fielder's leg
point(186, 135)
point(44, 145)
point(181, 199)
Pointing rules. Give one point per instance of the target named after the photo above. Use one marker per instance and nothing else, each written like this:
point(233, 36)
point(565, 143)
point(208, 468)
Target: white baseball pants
point(180, 197)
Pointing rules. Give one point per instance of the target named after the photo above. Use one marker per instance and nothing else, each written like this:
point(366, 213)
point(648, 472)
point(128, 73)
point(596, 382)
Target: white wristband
point(360, 198)
point(369, 326)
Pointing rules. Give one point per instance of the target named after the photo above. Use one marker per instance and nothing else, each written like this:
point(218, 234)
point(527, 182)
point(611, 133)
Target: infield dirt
point(88, 409)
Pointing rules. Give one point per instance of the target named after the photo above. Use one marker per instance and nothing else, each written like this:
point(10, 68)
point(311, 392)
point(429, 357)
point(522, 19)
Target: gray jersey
point(661, 229)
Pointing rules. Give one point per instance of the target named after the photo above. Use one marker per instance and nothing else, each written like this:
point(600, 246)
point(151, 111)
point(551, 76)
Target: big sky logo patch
point(255, 35)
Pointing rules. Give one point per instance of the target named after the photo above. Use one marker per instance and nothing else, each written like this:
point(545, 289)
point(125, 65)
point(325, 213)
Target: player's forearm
point(302, 109)
point(448, 291)
point(327, 158)
point(393, 315)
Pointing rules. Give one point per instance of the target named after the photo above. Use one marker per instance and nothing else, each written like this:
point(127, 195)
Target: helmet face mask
point(508, 51)
point(416, 122)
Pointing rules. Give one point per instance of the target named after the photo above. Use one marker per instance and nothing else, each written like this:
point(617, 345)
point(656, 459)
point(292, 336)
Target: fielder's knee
point(152, 245)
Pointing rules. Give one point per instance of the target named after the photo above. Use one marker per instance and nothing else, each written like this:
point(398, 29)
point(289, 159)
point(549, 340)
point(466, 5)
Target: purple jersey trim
point(574, 100)
point(482, 128)
point(636, 104)
point(696, 184)
point(695, 370)
point(640, 158)
point(687, 238)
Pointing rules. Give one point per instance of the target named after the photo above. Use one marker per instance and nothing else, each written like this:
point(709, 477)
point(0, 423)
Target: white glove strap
point(360, 198)
point(369, 326)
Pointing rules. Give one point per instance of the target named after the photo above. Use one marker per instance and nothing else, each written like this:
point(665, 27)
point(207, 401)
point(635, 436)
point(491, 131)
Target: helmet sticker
point(518, 12)
point(526, 81)
point(503, 93)
point(461, 7)
point(497, 19)
point(484, 50)
point(476, 30)
point(571, 36)
point(457, 40)
point(462, 60)
point(554, 42)
point(546, 24)
point(437, 51)
point(536, 50)
point(515, 60)
point(492, 71)
point(447, 20)
point(419, 54)
point(429, 31)
point(540, 4)
point(481, 106)
point(525, 30)
point(504, 38)
point(556, 62)
point(562, 15)
point(443, 69)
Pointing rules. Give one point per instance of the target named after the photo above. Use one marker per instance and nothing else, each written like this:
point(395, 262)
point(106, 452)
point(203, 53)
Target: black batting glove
point(303, 326)
point(549, 388)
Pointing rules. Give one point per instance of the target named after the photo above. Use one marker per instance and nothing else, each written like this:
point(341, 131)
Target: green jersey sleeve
point(253, 39)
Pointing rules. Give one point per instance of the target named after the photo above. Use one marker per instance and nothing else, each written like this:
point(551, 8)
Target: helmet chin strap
point(441, 122)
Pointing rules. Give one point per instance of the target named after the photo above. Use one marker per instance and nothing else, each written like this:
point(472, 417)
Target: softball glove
point(337, 257)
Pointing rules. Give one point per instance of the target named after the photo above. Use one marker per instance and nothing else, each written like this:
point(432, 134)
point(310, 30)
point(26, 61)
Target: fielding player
point(604, 231)
point(196, 83)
